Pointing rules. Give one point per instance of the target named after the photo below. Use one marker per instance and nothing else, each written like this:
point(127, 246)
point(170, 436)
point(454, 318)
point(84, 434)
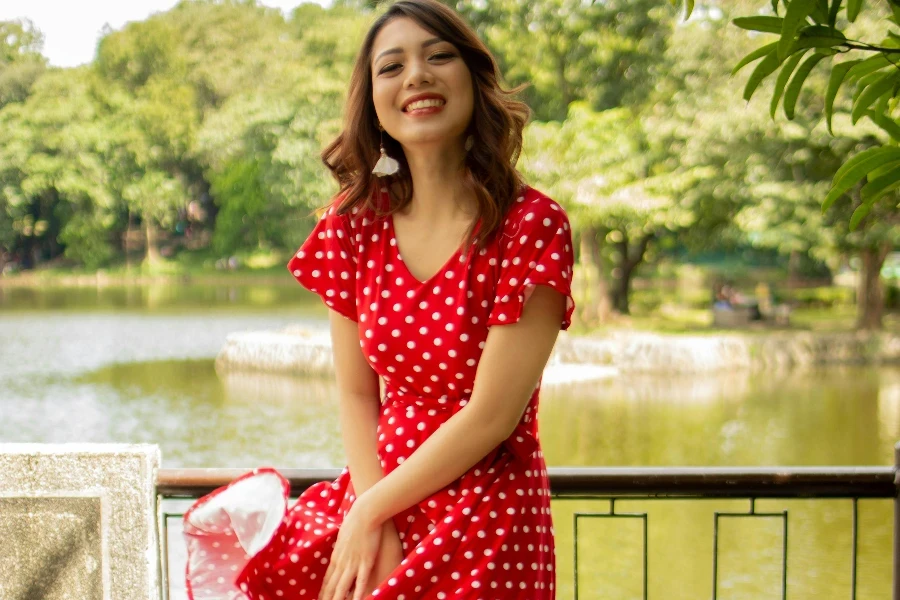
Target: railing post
point(896, 574)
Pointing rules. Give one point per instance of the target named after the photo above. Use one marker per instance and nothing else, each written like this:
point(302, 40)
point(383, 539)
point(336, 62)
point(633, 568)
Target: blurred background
point(159, 163)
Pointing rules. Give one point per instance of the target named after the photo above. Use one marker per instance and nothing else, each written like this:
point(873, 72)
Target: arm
point(508, 371)
point(359, 401)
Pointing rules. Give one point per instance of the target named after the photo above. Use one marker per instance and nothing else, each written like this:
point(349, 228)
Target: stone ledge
point(298, 351)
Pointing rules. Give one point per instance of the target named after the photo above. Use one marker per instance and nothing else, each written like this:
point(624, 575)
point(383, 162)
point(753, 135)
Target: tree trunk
point(598, 307)
point(152, 256)
point(793, 279)
point(629, 259)
point(127, 241)
point(870, 293)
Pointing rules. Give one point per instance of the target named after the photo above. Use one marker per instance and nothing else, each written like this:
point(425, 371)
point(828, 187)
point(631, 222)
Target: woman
point(448, 281)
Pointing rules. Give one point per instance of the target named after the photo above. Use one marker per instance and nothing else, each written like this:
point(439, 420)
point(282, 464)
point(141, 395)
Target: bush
point(892, 295)
point(86, 239)
point(821, 297)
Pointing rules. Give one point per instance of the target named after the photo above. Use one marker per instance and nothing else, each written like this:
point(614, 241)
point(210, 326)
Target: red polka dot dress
point(486, 536)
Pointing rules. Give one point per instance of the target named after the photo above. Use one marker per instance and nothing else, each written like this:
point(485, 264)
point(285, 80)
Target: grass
point(200, 266)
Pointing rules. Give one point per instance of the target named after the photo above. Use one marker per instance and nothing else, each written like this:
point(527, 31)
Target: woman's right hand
point(389, 556)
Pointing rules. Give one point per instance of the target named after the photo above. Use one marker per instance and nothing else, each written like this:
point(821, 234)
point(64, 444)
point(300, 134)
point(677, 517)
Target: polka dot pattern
point(487, 535)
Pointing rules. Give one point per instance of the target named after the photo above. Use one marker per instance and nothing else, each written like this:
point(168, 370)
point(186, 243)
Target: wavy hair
point(497, 123)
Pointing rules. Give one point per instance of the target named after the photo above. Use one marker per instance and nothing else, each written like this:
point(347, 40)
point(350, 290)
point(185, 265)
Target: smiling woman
point(448, 280)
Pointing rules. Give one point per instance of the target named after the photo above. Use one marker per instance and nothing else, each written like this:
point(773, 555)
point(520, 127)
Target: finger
point(347, 577)
point(329, 591)
point(362, 580)
point(328, 582)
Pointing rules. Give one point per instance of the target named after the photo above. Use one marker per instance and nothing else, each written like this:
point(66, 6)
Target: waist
point(395, 397)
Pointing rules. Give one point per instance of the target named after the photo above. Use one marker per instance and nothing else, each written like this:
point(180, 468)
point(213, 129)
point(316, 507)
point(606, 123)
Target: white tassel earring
point(470, 141)
point(385, 165)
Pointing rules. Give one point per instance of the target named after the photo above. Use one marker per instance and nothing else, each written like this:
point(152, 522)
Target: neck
point(438, 191)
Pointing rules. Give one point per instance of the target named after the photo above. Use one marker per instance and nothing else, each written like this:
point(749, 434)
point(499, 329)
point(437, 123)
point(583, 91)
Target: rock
point(292, 351)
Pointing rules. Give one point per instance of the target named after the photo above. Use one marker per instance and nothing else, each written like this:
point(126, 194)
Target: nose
point(418, 73)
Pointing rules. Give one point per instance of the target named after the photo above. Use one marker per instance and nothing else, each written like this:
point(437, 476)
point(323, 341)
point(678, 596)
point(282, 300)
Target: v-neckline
point(453, 257)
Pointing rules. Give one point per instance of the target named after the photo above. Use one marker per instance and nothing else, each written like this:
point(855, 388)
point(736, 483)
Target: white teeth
point(423, 104)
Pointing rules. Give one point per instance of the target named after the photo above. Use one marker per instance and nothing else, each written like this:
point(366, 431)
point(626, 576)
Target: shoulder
point(533, 212)
point(347, 219)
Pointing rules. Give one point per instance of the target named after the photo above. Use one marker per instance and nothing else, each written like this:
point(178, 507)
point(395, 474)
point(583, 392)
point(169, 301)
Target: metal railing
point(612, 484)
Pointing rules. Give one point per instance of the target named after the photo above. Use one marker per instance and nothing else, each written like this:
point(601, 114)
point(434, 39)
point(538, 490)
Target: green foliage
point(821, 297)
point(241, 196)
point(20, 40)
point(21, 62)
point(86, 239)
point(602, 53)
point(816, 24)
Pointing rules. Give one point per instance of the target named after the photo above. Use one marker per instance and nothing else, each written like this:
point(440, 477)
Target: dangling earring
point(470, 141)
point(385, 165)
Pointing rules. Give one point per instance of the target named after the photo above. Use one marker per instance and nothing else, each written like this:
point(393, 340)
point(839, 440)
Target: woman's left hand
point(353, 558)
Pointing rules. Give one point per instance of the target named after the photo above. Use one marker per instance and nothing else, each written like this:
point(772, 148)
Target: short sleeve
point(536, 249)
point(326, 263)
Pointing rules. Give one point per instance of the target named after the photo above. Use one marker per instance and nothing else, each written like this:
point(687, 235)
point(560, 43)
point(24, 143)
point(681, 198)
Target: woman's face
point(421, 87)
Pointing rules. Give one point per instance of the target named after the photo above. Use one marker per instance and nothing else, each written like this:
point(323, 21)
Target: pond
point(135, 364)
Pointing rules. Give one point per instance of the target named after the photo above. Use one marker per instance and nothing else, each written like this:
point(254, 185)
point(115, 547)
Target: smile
point(425, 104)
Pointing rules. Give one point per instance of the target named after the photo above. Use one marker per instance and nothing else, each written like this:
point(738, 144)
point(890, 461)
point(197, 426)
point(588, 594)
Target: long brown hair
point(497, 123)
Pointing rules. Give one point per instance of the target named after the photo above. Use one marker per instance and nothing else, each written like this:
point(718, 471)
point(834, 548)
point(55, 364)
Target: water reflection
point(823, 417)
point(183, 295)
point(201, 421)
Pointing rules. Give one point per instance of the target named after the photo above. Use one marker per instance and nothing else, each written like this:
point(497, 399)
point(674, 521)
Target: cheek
point(382, 99)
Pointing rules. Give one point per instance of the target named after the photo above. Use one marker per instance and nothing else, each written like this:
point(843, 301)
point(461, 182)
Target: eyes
point(440, 57)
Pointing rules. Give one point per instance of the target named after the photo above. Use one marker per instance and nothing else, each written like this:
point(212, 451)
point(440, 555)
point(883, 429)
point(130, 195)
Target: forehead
point(403, 33)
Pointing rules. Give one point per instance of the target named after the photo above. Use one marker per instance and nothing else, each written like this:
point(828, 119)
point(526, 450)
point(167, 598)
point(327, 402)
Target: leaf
point(838, 72)
point(869, 65)
point(765, 24)
point(876, 188)
point(782, 80)
point(865, 82)
point(765, 68)
point(755, 55)
point(794, 17)
point(793, 90)
point(822, 31)
point(775, 6)
point(820, 11)
point(853, 8)
point(688, 7)
point(884, 85)
point(861, 212)
point(889, 125)
point(816, 42)
point(858, 167)
point(833, 13)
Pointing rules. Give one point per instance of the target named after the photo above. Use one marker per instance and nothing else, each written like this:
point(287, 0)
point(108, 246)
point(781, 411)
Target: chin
point(429, 135)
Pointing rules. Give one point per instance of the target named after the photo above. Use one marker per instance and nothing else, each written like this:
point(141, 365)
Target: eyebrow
point(425, 44)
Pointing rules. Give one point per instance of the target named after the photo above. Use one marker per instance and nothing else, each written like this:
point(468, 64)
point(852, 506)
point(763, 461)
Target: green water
point(135, 364)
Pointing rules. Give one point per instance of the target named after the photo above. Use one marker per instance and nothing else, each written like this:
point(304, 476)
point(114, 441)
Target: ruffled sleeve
point(536, 249)
point(326, 263)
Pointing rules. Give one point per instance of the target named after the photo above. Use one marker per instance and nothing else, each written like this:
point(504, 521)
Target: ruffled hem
point(225, 529)
point(508, 308)
point(337, 300)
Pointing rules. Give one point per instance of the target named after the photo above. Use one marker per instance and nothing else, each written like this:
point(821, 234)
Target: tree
point(602, 53)
point(811, 33)
point(21, 61)
point(54, 178)
point(814, 27)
